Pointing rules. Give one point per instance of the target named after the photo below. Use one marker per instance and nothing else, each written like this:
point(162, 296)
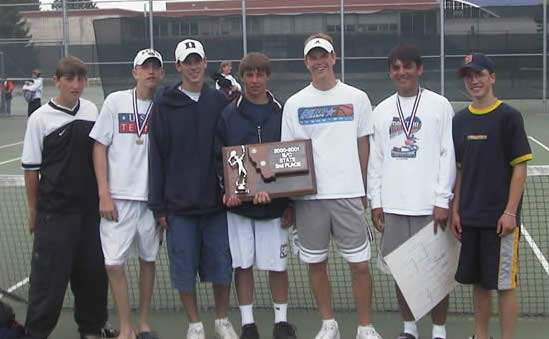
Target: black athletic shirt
point(57, 144)
point(488, 144)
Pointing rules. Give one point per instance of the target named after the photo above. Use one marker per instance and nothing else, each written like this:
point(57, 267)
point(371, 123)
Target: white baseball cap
point(146, 54)
point(188, 47)
point(320, 43)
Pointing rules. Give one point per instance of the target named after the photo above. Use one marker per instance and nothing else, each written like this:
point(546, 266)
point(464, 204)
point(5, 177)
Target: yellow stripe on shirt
point(485, 110)
point(521, 159)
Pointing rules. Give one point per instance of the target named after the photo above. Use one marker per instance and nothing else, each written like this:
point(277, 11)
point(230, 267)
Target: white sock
point(281, 312)
point(439, 331)
point(411, 328)
point(247, 314)
point(219, 320)
point(196, 325)
point(360, 327)
point(329, 322)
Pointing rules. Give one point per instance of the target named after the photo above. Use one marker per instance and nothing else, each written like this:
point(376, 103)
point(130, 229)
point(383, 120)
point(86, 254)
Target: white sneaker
point(196, 332)
point(367, 333)
point(224, 329)
point(329, 330)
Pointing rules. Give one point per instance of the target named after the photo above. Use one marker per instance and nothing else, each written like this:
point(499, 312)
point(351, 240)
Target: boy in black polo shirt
point(491, 153)
point(63, 210)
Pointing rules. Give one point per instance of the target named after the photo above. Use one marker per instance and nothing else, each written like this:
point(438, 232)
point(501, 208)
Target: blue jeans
point(199, 244)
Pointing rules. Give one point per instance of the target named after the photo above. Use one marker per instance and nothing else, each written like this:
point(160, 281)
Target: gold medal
point(139, 141)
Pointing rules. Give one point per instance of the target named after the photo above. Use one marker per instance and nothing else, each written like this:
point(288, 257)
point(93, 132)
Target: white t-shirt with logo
point(127, 158)
point(411, 174)
point(334, 120)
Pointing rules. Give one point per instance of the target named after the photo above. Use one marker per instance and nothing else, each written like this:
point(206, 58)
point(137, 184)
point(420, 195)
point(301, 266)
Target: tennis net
point(16, 247)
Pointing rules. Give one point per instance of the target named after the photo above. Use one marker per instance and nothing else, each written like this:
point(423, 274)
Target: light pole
point(65, 30)
point(2, 66)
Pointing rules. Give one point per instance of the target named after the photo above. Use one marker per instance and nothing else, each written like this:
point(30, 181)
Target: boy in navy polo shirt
point(491, 152)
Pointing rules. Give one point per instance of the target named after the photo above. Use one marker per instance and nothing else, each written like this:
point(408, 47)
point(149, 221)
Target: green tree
point(18, 55)
point(74, 4)
point(11, 25)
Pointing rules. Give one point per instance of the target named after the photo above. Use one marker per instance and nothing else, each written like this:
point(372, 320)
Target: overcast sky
point(505, 2)
point(135, 5)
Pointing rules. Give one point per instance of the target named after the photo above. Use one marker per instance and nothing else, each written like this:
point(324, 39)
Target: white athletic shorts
point(135, 230)
point(260, 242)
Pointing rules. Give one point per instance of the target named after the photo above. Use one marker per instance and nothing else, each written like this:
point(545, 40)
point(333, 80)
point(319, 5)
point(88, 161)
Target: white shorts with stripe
point(263, 243)
point(135, 231)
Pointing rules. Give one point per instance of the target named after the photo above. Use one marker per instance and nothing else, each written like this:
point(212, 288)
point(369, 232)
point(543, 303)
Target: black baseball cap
point(476, 62)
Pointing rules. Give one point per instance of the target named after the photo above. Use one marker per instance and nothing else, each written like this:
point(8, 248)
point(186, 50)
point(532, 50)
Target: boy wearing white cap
point(337, 118)
point(120, 158)
point(185, 194)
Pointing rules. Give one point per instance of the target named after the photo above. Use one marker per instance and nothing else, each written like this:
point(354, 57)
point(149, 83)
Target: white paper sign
point(424, 268)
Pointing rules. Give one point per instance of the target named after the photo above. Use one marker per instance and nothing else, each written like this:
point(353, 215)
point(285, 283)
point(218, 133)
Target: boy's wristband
point(510, 214)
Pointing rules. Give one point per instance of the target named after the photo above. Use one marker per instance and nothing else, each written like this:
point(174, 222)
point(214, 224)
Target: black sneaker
point(109, 332)
point(284, 330)
point(249, 331)
point(90, 336)
point(405, 335)
point(106, 332)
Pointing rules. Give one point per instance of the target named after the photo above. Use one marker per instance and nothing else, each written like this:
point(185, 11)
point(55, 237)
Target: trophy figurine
point(238, 160)
point(282, 169)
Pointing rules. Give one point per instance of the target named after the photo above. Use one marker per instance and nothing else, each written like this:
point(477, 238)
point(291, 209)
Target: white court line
point(535, 248)
point(16, 286)
point(539, 143)
point(11, 145)
point(8, 161)
point(19, 284)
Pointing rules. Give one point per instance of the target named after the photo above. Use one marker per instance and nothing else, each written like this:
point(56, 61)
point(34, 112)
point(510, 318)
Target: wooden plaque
point(282, 169)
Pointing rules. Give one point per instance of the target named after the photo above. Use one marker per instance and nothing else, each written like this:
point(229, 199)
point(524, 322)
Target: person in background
point(34, 92)
point(8, 95)
point(225, 81)
point(2, 99)
point(6, 89)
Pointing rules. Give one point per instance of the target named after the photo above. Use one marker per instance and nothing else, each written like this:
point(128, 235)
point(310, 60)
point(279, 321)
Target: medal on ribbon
point(140, 126)
point(408, 127)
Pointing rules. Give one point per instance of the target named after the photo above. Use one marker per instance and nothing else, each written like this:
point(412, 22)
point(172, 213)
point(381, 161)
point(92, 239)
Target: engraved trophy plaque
point(282, 169)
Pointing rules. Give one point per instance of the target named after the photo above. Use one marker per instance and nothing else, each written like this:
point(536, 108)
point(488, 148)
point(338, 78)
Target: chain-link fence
point(107, 33)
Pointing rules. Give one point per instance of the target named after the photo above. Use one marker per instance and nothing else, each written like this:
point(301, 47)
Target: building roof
point(265, 7)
